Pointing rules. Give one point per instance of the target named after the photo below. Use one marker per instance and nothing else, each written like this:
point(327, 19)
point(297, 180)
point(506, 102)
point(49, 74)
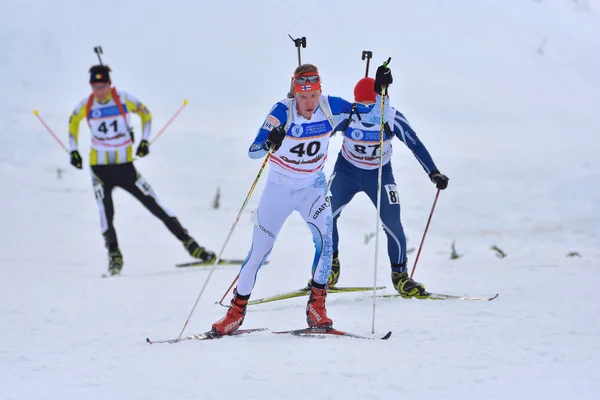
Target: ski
point(313, 331)
point(318, 331)
point(205, 336)
point(439, 296)
point(306, 291)
point(210, 263)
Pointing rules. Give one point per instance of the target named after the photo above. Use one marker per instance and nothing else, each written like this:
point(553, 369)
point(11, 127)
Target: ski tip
point(387, 336)
point(494, 297)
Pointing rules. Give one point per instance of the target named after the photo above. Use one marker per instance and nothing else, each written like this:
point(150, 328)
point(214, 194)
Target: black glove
point(143, 149)
point(383, 77)
point(76, 160)
point(275, 139)
point(440, 180)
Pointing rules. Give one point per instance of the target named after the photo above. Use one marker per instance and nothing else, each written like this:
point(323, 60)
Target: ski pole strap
point(388, 130)
point(353, 110)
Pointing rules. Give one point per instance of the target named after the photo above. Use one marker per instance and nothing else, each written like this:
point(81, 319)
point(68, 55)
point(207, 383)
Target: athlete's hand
point(143, 149)
point(383, 78)
point(275, 139)
point(76, 160)
point(440, 180)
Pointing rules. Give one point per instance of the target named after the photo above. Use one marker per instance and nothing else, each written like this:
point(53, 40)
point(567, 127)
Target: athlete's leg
point(103, 184)
point(389, 212)
point(344, 183)
point(275, 205)
point(314, 207)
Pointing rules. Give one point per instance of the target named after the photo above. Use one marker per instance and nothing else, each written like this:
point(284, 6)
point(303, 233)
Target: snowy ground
point(503, 93)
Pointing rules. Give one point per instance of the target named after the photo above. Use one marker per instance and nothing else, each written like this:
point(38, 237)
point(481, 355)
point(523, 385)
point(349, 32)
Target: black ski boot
point(197, 251)
point(407, 287)
point(115, 262)
point(334, 276)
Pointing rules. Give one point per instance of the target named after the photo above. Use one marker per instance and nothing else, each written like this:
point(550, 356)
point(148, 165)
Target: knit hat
point(100, 73)
point(364, 90)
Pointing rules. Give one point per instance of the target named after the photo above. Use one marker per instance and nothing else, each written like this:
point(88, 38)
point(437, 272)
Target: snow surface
point(504, 94)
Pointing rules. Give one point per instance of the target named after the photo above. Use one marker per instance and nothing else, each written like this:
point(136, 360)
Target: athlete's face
point(307, 102)
point(101, 90)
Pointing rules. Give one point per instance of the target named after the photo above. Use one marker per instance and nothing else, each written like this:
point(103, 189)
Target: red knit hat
point(365, 90)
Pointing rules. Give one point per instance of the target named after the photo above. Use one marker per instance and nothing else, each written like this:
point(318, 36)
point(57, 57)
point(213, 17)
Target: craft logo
point(321, 209)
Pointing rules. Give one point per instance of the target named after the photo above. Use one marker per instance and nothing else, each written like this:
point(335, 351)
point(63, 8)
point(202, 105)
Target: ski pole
point(37, 114)
point(185, 103)
point(379, 177)
point(260, 171)
point(220, 302)
point(425, 233)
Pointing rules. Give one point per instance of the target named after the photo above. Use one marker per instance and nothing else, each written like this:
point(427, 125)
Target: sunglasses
point(100, 86)
point(301, 80)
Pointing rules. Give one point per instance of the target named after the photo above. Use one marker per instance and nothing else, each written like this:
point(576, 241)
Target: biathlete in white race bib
point(297, 131)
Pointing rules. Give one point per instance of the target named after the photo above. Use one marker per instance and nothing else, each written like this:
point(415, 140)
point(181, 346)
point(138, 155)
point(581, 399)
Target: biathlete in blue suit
point(356, 170)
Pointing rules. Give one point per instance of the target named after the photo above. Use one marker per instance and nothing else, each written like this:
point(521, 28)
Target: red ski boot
point(316, 314)
point(234, 317)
